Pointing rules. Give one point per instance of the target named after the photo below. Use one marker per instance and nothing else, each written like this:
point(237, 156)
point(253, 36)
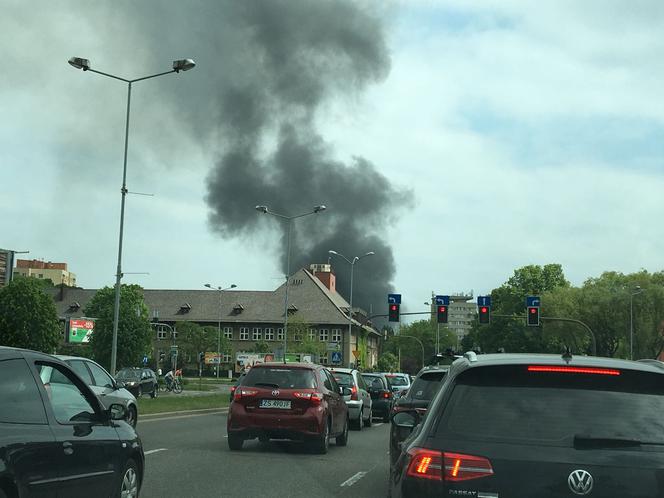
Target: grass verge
point(175, 403)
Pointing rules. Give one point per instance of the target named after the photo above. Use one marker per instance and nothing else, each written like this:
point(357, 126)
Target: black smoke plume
point(299, 56)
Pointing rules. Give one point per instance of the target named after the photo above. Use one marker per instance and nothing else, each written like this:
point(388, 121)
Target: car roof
point(309, 366)
point(9, 352)
point(342, 370)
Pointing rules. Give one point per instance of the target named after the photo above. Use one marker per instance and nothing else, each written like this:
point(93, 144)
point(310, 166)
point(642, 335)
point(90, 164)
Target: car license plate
point(275, 403)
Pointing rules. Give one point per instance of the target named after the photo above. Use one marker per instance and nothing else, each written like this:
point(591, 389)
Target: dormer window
point(185, 308)
point(238, 308)
point(292, 309)
point(75, 306)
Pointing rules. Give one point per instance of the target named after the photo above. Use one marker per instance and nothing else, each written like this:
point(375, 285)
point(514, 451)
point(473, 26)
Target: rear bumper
point(381, 407)
point(275, 424)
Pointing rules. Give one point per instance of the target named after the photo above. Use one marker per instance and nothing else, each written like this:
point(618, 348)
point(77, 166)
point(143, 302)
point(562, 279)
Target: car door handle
point(68, 448)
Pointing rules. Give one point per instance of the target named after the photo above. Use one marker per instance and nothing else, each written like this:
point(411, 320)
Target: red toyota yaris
point(299, 401)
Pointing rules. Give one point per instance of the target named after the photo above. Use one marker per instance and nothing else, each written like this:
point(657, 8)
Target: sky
point(458, 140)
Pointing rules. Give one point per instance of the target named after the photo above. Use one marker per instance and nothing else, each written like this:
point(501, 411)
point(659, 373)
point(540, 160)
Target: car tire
point(155, 391)
point(386, 417)
point(369, 421)
point(359, 422)
point(342, 440)
point(140, 392)
point(132, 416)
point(129, 482)
point(263, 439)
point(235, 442)
point(322, 443)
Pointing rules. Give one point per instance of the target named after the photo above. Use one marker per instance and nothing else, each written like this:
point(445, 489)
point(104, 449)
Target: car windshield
point(511, 404)
point(129, 375)
point(281, 377)
point(344, 379)
point(426, 385)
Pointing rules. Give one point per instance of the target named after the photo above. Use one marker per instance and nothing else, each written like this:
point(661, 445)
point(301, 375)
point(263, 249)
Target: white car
point(400, 383)
point(359, 401)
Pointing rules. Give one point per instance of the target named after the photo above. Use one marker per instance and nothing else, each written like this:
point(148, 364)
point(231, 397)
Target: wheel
point(155, 391)
point(343, 439)
point(140, 391)
point(132, 416)
point(369, 421)
point(235, 442)
point(128, 486)
point(177, 387)
point(264, 439)
point(359, 423)
point(386, 417)
point(322, 443)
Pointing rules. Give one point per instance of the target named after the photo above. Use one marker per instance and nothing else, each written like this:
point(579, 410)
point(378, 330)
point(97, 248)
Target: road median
point(174, 404)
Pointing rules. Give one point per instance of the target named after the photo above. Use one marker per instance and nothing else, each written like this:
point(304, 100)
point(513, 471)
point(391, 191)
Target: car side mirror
point(117, 412)
point(346, 391)
point(119, 385)
point(407, 419)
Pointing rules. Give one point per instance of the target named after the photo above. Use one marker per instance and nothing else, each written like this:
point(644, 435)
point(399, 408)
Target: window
point(323, 335)
point(225, 358)
point(21, 403)
point(244, 333)
point(323, 359)
point(280, 334)
point(297, 336)
point(161, 333)
point(312, 334)
point(67, 400)
point(79, 367)
point(336, 335)
point(256, 335)
point(228, 332)
point(269, 334)
point(284, 377)
point(101, 378)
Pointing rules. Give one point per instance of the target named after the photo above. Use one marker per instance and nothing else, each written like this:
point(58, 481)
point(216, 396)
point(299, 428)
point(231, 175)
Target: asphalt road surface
point(188, 456)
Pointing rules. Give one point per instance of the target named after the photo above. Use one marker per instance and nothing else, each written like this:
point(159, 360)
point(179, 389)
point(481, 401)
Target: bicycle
point(175, 386)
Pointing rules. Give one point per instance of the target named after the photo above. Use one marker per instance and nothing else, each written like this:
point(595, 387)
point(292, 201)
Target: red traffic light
point(533, 311)
point(441, 309)
point(393, 307)
point(483, 309)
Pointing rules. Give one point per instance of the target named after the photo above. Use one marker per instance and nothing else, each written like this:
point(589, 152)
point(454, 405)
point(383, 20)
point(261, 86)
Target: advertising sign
point(80, 330)
point(212, 358)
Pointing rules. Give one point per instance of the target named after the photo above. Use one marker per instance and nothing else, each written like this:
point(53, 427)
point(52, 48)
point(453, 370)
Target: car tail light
point(578, 370)
point(425, 464)
point(244, 393)
point(315, 398)
point(387, 394)
point(460, 467)
point(353, 393)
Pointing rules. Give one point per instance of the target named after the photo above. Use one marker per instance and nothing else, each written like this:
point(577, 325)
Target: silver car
point(102, 384)
point(359, 402)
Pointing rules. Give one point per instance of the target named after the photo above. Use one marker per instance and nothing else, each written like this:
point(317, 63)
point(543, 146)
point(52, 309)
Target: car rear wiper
point(265, 384)
point(589, 440)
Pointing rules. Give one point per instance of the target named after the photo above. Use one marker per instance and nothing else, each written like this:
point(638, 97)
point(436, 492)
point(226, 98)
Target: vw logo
point(275, 392)
point(580, 482)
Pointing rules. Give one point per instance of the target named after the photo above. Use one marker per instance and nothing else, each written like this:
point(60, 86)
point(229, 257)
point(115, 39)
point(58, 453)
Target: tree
point(262, 347)
point(194, 339)
point(134, 331)
point(28, 318)
point(387, 362)
point(411, 351)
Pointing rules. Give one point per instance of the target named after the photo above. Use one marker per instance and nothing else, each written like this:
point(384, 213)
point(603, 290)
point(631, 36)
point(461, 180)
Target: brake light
point(425, 464)
point(460, 467)
point(387, 394)
point(576, 370)
point(353, 393)
point(315, 398)
point(244, 393)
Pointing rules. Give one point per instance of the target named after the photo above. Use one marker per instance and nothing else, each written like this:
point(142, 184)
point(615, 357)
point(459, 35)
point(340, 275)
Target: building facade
point(56, 272)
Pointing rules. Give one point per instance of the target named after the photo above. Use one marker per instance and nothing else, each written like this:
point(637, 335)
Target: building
point(461, 314)
point(56, 272)
point(246, 317)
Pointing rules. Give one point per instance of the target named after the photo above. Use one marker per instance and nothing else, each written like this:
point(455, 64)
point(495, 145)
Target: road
point(188, 456)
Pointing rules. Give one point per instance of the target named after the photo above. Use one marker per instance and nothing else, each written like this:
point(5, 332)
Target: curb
point(184, 412)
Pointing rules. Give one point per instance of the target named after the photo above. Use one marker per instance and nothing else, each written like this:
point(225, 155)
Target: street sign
point(442, 300)
point(333, 346)
point(145, 360)
point(394, 299)
point(533, 300)
point(336, 357)
point(80, 330)
point(356, 353)
point(484, 300)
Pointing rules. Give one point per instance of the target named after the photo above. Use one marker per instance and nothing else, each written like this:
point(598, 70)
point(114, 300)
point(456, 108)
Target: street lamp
point(289, 220)
point(438, 331)
point(637, 290)
point(352, 267)
point(84, 64)
point(220, 289)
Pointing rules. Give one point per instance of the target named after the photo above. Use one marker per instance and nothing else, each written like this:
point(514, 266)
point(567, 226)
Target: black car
point(425, 386)
point(523, 425)
point(138, 381)
point(381, 394)
point(57, 439)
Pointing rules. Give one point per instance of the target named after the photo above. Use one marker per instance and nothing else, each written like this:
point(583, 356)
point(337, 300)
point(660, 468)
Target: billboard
point(6, 266)
point(80, 330)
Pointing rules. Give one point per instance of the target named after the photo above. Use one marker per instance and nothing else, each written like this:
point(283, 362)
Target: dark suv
point(537, 425)
point(300, 401)
point(425, 386)
point(138, 381)
point(56, 438)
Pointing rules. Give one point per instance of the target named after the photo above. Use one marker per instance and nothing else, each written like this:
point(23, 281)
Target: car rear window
point(397, 380)
point(427, 385)
point(511, 403)
point(343, 379)
point(374, 381)
point(284, 377)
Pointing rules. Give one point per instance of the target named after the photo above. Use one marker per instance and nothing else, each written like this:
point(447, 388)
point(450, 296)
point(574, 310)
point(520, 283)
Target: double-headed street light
point(84, 64)
point(289, 220)
point(219, 289)
point(636, 291)
point(352, 267)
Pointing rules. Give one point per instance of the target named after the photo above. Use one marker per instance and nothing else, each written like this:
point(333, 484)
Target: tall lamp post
point(219, 289)
point(84, 64)
point(352, 267)
point(637, 290)
point(289, 220)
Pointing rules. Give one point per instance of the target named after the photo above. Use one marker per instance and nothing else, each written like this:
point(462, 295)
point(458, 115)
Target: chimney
point(323, 272)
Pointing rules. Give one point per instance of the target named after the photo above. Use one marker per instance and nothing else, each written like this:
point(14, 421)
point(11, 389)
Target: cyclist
point(169, 377)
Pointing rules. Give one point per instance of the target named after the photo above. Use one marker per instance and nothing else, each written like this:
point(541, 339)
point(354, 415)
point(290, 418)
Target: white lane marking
point(353, 479)
point(377, 424)
point(150, 452)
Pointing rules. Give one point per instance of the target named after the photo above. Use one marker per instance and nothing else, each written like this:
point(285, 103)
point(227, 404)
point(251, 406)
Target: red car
point(299, 401)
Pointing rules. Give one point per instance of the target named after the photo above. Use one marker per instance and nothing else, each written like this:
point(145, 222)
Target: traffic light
point(162, 356)
point(201, 357)
point(484, 314)
point(394, 312)
point(533, 316)
point(442, 314)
